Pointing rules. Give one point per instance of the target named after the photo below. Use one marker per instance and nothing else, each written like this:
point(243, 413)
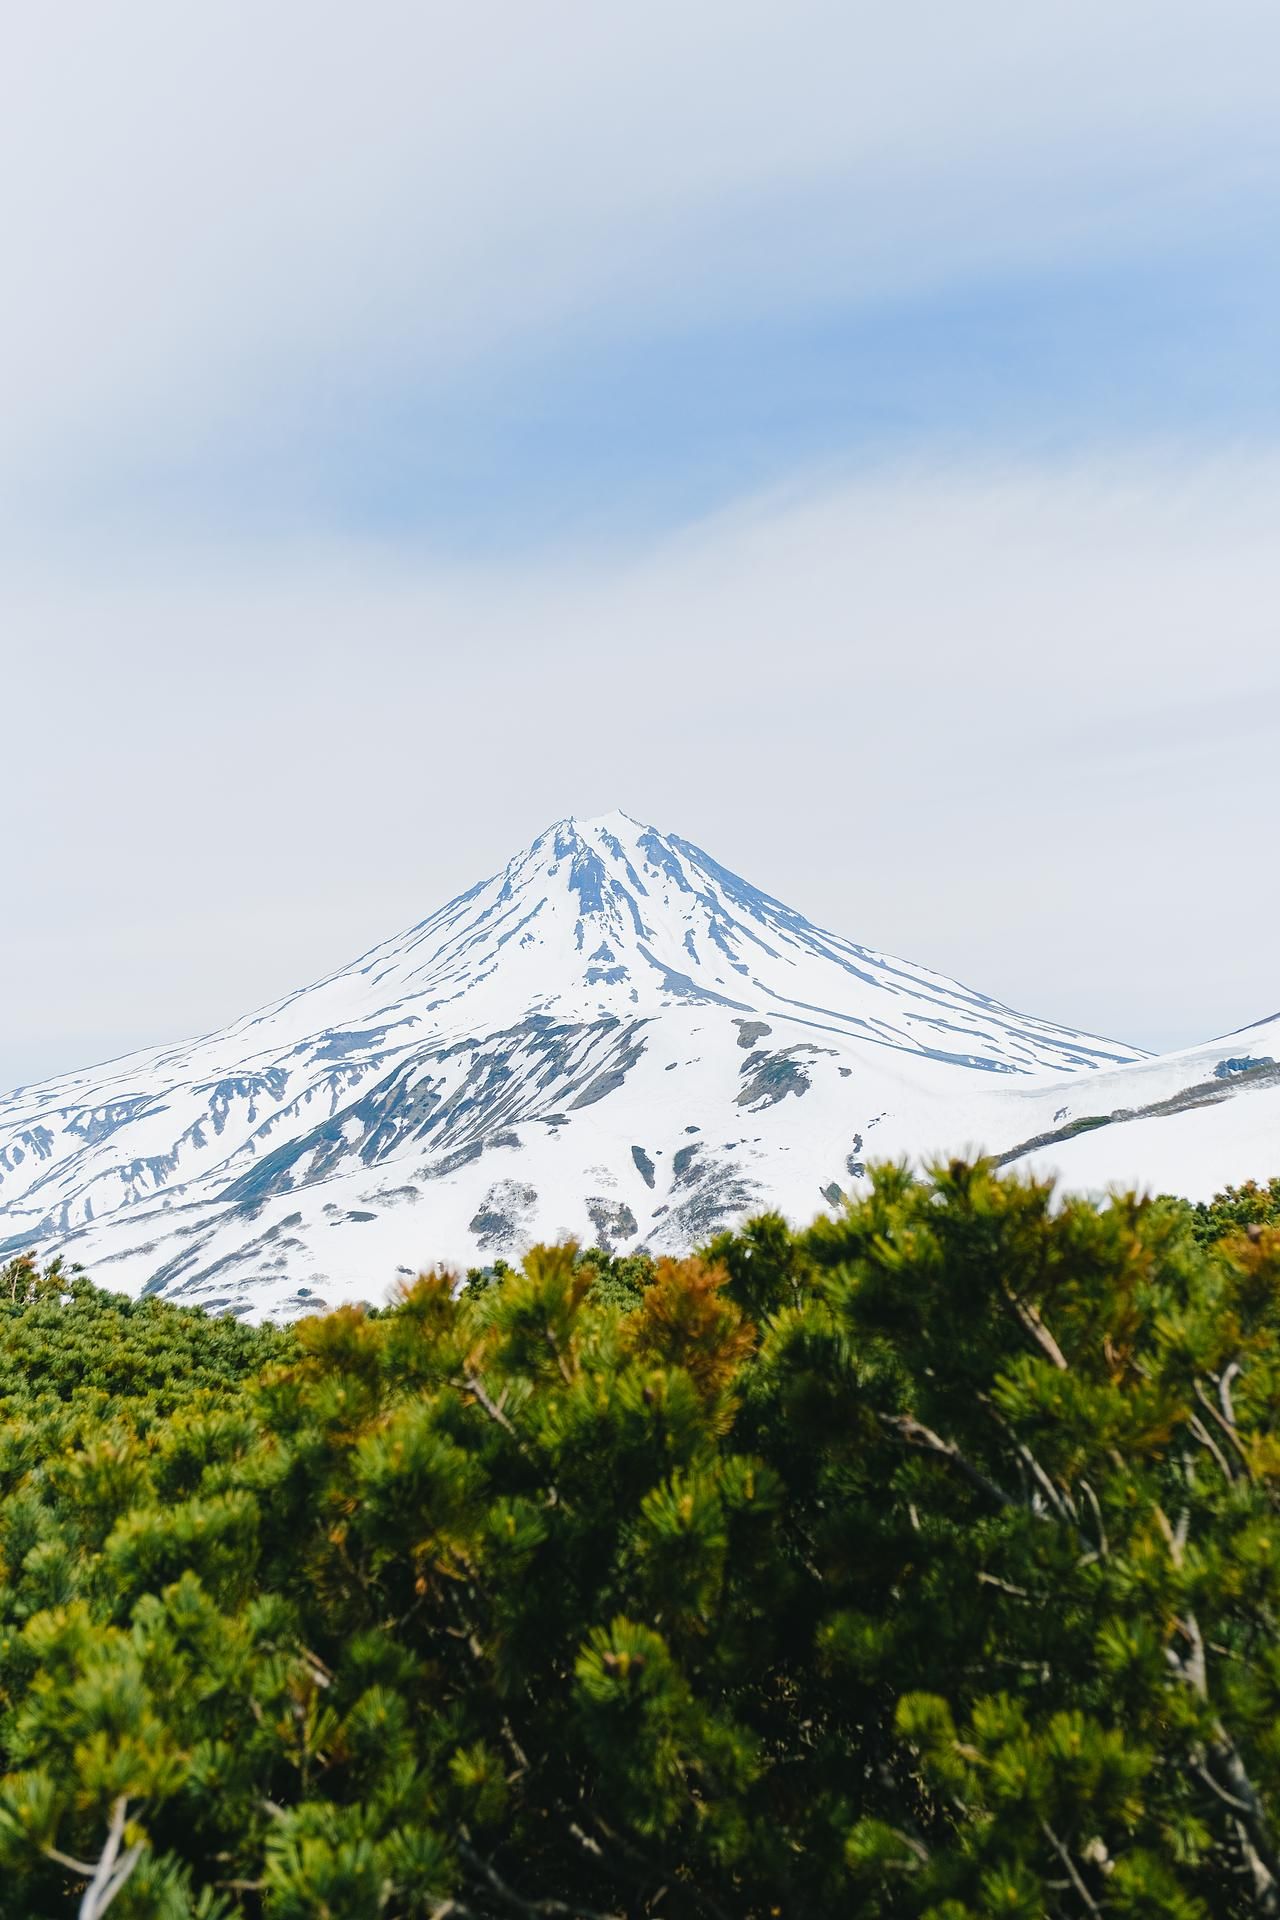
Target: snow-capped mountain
point(614, 1038)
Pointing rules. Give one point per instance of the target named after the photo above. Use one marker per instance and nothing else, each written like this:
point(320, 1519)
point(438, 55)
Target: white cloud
point(205, 205)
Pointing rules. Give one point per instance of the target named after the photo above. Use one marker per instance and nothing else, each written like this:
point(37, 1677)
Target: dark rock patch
point(613, 1221)
point(773, 1077)
point(749, 1031)
point(644, 1165)
point(451, 1162)
point(681, 1161)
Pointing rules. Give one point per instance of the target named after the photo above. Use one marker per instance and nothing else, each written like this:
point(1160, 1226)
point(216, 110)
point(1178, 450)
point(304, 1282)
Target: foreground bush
point(923, 1564)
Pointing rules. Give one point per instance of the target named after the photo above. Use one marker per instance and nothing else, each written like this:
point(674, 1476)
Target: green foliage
point(921, 1566)
point(617, 1279)
point(614, 1279)
point(1236, 1209)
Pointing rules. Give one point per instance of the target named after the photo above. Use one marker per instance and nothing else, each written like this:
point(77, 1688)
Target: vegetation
point(1236, 1209)
point(924, 1564)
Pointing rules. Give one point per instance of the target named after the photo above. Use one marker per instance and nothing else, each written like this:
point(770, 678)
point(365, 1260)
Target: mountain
point(614, 1038)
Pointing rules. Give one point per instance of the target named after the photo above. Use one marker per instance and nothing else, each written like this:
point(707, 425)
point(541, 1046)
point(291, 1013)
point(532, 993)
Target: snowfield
point(614, 1039)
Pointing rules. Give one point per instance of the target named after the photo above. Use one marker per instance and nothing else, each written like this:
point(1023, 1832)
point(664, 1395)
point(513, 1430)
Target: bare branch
point(1031, 1323)
point(1228, 1799)
point(1072, 1872)
point(1103, 1548)
point(472, 1383)
point(1060, 1503)
point(85, 1868)
point(109, 1873)
point(1226, 1418)
point(1195, 1666)
point(1223, 1770)
point(1176, 1541)
point(1226, 1767)
point(111, 1887)
point(921, 1439)
point(1002, 1586)
point(1224, 1393)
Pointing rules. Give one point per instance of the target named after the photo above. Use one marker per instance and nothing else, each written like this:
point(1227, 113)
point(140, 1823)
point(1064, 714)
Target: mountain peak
point(616, 839)
point(614, 822)
point(614, 1036)
point(608, 918)
point(600, 828)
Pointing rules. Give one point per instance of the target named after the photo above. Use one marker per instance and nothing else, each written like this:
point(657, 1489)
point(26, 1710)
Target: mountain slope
point(1190, 1122)
point(614, 1037)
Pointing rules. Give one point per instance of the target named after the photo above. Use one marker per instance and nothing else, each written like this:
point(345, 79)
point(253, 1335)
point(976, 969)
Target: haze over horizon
point(850, 442)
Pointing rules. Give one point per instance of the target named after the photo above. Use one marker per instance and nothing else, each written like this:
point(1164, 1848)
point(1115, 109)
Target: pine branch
point(1224, 1393)
point(1206, 1439)
point(1226, 1417)
point(108, 1875)
point(1030, 1322)
point(1060, 1504)
point(1223, 1769)
point(921, 1439)
point(1073, 1875)
point(1103, 1548)
point(1003, 1586)
point(472, 1383)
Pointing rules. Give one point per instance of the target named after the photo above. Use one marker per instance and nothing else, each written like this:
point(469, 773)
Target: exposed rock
point(613, 1221)
point(749, 1031)
point(502, 1216)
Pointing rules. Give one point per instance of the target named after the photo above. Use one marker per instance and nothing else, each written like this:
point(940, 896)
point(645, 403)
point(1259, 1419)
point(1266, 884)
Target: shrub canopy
point(923, 1564)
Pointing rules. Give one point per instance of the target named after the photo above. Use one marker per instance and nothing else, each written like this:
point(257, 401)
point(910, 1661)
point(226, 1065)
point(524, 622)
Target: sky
point(846, 436)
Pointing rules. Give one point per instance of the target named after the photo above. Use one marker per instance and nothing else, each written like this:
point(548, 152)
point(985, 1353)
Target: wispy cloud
point(443, 270)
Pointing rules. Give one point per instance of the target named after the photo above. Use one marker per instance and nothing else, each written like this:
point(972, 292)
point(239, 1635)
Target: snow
point(1194, 1154)
point(482, 1079)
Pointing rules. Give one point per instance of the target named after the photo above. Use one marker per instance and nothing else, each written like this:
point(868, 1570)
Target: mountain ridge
point(613, 1037)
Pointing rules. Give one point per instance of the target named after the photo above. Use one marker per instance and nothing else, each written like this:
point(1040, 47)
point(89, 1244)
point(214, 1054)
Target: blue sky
point(385, 398)
point(609, 430)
